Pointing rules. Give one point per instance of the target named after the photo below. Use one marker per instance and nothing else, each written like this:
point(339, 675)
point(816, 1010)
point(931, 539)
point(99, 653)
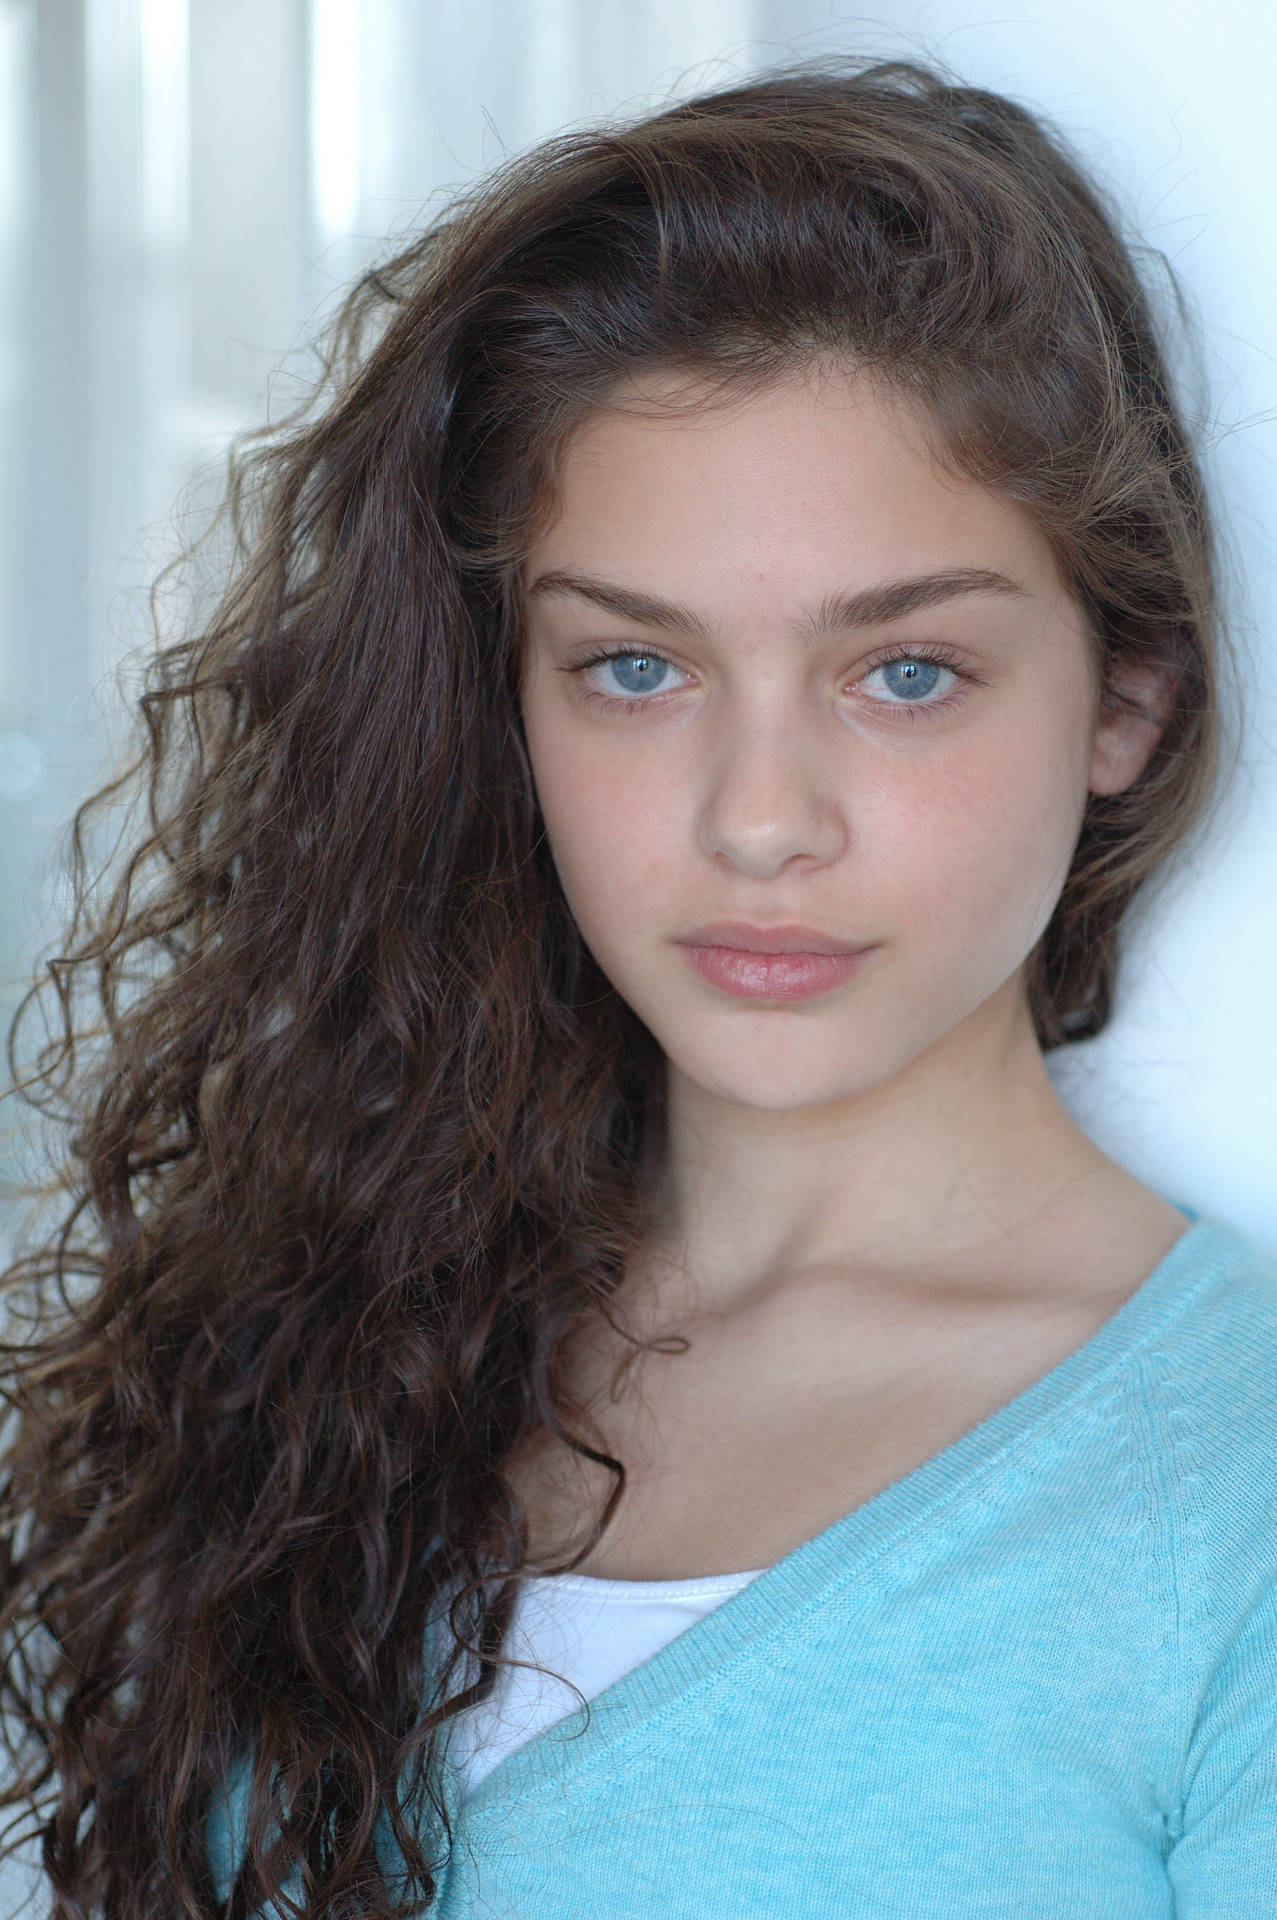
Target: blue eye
point(912, 678)
point(910, 681)
point(638, 673)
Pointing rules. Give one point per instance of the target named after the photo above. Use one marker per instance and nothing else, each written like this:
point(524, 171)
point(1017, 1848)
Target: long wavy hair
point(357, 1135)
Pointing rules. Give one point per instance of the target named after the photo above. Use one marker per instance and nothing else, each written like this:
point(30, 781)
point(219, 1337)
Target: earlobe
point(1126, 735)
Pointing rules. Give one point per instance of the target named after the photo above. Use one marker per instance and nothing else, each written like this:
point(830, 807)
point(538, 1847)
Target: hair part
point(358, 1134)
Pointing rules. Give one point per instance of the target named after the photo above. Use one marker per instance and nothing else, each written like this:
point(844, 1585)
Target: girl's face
point(843, 689)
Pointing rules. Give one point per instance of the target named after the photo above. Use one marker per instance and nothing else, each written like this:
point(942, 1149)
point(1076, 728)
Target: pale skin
point(879, 1223)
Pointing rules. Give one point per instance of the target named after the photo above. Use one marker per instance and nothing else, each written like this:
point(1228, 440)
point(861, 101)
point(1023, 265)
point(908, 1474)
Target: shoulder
point(1218, 1342)
point(1206, 1383)
point(1209, 1380)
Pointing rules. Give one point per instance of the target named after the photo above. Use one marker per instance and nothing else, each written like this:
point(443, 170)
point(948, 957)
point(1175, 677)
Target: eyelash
point(934, 656)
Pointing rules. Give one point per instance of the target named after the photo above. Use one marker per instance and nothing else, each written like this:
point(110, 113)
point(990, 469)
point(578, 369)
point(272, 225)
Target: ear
point(1125, 735)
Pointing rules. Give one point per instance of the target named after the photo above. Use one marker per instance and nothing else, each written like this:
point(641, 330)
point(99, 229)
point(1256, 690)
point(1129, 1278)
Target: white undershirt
point(584, 1630)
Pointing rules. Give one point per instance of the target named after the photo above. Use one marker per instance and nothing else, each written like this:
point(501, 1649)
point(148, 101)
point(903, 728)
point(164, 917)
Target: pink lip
point(773, 976)
point(789, 937)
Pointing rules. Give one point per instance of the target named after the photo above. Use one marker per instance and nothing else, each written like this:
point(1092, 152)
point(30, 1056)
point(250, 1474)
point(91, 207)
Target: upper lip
point(788, 937)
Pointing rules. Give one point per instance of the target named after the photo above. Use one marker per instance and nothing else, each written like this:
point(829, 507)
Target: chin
point(784, 1076)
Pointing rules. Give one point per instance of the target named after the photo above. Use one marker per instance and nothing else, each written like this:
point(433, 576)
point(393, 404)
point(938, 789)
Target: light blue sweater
point(1035, 1679)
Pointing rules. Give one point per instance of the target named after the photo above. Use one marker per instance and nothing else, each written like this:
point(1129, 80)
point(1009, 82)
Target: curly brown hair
point(357, 1133)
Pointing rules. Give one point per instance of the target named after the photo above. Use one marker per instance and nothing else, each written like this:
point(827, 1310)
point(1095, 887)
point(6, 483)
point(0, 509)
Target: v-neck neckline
point(568, 1753)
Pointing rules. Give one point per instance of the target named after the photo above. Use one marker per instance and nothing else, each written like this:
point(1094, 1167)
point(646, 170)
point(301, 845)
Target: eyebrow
point(837, 613)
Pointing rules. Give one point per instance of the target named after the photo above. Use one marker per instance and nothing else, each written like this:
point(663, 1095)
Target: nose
point(769, 795)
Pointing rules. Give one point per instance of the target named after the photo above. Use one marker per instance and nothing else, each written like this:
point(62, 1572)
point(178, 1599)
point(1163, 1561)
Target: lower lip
point(774, 976)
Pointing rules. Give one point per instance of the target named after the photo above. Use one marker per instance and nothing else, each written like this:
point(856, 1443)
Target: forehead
point(822, 470)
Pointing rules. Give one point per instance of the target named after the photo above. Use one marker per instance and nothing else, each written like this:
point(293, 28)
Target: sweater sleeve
point(1224, 1864)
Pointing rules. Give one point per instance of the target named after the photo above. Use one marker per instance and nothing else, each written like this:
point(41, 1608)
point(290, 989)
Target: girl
point(587, 1370)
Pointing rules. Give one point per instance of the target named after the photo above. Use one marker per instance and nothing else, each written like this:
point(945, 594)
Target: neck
point(968, 1147)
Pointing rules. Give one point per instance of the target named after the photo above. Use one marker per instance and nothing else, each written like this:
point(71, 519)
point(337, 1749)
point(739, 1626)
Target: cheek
point(611, 830)
point(978, 849)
